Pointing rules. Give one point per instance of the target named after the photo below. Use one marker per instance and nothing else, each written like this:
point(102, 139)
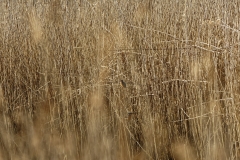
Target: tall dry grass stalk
point(62, 65)
point(36, 28)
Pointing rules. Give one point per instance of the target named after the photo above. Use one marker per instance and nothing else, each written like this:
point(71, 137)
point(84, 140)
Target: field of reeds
point(119, 79)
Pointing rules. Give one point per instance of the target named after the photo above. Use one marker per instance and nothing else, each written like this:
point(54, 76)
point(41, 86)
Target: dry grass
point(63, 63)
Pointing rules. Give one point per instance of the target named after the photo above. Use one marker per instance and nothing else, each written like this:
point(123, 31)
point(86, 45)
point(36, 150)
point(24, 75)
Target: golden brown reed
point(182, 151)
point(36, 28)
point(61, 65)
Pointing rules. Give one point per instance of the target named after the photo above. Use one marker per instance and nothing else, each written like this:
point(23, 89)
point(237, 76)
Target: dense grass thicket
point(119, 79)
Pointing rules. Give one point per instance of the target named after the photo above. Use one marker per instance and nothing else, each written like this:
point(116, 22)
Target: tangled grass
point(145, 79)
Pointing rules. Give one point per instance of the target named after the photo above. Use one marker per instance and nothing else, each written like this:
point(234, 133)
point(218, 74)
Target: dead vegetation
point(119, 79)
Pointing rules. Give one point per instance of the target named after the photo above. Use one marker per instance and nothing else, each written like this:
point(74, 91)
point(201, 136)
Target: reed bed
point(139, 79)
